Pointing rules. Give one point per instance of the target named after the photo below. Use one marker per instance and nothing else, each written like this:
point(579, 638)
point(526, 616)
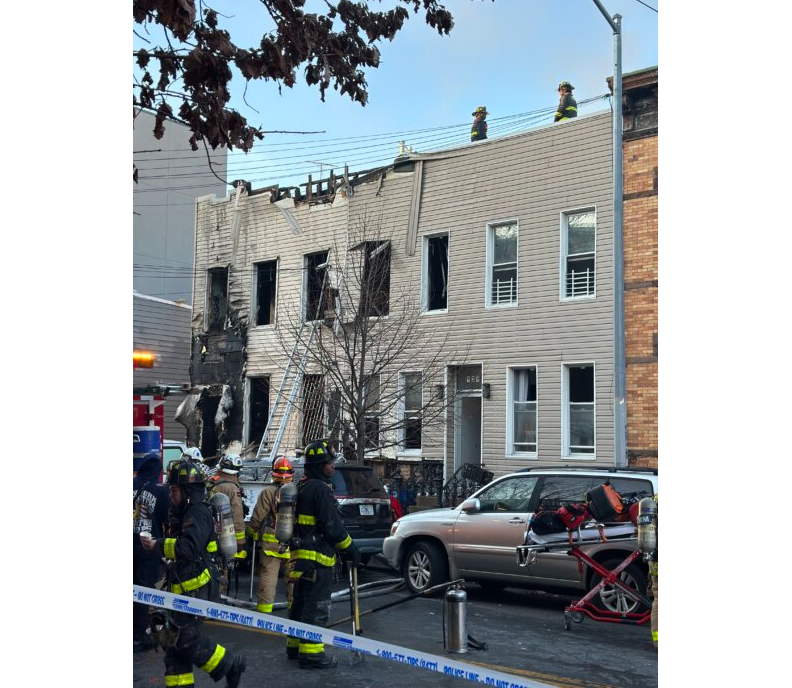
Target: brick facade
point(640, 264)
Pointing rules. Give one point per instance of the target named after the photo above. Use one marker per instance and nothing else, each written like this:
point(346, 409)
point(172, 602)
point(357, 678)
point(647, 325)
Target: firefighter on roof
point(478, 131)
point(567, 106)
point(274, 555)
point(319, 533)
point(190, 546)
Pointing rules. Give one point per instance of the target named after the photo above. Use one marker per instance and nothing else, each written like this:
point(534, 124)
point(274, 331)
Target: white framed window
point(579, 417)
point(264, 293)
point(434, 282)
point(371, 412)
point(578, 254)
point(502, 264)
point(410, 405)
point(521, 412)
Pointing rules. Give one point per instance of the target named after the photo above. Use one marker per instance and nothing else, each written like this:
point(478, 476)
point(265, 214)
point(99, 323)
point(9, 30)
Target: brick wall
point(640, 298)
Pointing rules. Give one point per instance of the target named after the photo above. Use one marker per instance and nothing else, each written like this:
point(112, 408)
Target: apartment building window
point(435, 273)
point(375, 285)
point(313, 415)
point(264, 289)
point(579, 412)
point(258, 407)
point(371, 411)
point(217, 296)
point(412, 401)
point(502, 265)
point(522, 421)
point(579, 231)
point(315, 287)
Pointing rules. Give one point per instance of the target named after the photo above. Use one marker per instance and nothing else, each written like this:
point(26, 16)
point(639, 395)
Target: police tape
point(317, 634)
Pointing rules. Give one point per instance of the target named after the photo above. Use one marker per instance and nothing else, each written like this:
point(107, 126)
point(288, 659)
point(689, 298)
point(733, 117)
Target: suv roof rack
point(609, 469)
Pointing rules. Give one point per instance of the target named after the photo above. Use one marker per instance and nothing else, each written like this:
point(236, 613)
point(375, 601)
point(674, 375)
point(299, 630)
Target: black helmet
point(318, 452)
point(565, 85)
point(184, 472)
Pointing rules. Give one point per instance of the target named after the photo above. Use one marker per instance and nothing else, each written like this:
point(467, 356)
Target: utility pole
point(619, 362)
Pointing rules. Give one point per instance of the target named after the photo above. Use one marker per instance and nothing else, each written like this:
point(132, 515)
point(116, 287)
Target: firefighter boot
point(234, 674)
point(320, 662)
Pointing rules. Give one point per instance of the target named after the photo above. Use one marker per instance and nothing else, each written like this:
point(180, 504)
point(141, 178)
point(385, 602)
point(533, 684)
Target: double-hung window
point(522, 422)
point(410, 430)
point(579, 426)
point(371, 411)
point(265, 275)
point(579, 233)
point(502, 265)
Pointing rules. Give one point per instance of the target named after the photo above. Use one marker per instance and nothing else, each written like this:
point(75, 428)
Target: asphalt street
point(524, 631)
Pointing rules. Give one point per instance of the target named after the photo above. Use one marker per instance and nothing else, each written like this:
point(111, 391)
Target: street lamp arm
point(616, 27)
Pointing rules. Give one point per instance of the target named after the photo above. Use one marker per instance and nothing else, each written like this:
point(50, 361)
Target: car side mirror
point(471, 506)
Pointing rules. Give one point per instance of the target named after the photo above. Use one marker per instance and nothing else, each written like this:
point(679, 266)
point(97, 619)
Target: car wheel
point(424, 567)
point(611, 598)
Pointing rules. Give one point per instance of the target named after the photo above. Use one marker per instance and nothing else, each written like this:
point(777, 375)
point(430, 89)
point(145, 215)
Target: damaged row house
point(451, 309)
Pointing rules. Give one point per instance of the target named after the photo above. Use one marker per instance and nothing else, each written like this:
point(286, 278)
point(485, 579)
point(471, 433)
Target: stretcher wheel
point(577, 617)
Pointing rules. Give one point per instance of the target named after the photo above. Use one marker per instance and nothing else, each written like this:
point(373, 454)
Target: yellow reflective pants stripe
point(292, 642)
point(264, 608)
point(180, 680)
point(169, 548)
point(214, 660)
point(311, 648)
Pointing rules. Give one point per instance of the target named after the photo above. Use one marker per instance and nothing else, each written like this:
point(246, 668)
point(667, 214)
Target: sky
point(508, 55)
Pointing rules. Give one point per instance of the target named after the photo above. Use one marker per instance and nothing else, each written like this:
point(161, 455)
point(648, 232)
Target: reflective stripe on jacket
point(567, 108)
point(262, 522)
point(190, 547)
point(319, 526)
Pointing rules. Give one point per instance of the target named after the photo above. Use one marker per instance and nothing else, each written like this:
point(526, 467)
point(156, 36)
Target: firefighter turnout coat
point(262, 522)
point(229, 486)
point(319, 528)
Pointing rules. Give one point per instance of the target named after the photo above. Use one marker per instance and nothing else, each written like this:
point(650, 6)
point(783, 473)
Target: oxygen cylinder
point(455, 612)
point(284, 519)
point(224, 525)
point(647, 525)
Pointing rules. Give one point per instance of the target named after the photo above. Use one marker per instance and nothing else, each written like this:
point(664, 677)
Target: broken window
point(316, 286)
point(579, 393)
point(217, 292)
point(312, 408)
point(258, 407)
point(375, 285)
point(209, 443)
point(436, 273)
point(412, 402)
point(502, 265)
point(522, 424)
point(264, 308)
point(371, 411)
point(578, 241)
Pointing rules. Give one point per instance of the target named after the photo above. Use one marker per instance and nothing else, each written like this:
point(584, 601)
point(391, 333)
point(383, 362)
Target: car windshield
point(357, 482)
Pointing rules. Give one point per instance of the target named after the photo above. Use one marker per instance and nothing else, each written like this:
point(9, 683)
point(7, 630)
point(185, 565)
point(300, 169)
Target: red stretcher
point(572, 541)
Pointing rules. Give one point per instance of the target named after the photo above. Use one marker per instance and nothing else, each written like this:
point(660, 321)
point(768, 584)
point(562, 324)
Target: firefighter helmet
point(566, 85)
point(231, 464)
point(282, 470)
point(318, 452)
point(192, 454)
point(480, 110)
point(184, 472)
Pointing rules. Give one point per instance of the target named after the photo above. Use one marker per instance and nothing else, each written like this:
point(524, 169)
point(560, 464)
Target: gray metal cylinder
point(455, 614)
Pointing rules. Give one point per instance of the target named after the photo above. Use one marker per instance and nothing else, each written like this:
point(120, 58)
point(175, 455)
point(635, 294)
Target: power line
point(645, 5)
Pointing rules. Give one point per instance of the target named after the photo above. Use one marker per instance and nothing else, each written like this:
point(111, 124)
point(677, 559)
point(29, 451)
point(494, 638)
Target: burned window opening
point(375, 286)
point(316, 293)
point(258, 407)
point(218, 299)
point(266, 276)
point(437, 273)
point(209, 444)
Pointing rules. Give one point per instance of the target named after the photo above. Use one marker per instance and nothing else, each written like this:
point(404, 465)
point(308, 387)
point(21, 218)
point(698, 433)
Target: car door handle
point(516, 520)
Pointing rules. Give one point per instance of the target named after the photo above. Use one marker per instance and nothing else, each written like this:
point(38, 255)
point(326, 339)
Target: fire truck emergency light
point(143, 359)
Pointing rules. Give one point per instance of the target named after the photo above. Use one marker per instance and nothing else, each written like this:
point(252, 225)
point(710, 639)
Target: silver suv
point(477, 540)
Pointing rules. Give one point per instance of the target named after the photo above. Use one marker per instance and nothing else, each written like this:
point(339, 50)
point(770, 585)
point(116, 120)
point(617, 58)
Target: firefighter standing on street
point(150, 504)
point(478, 132)
point(274, 556)
point(567, 106)
point(191, 544)
point(319, 532)
point(226, 481)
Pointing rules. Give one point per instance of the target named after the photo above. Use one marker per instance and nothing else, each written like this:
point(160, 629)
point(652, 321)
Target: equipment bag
point(573, 515)
point(604, 503)
point(547, 522)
